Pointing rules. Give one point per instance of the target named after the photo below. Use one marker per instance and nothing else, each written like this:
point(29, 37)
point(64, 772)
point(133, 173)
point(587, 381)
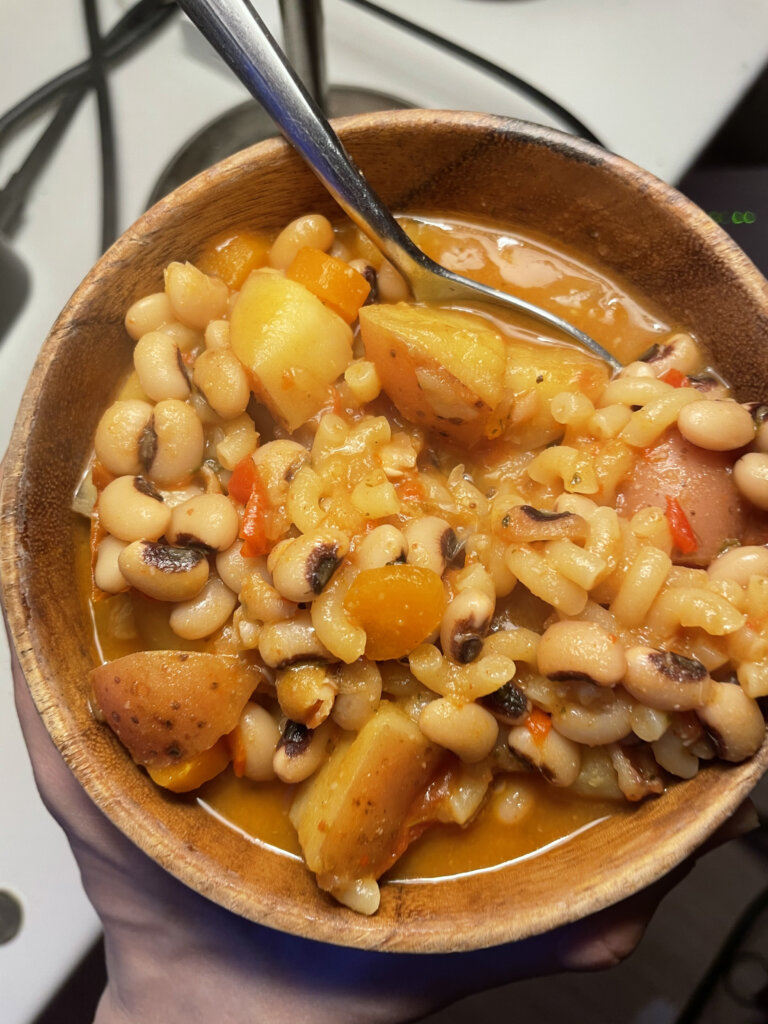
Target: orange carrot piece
point(332, 280)
point(232, 255)
point(192, 773)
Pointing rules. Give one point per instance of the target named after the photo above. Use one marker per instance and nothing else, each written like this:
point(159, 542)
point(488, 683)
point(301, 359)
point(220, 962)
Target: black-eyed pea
point(384, 545)
point(206, 520)
point(359, 693)
point(750, 474)
point(164, 572)
point(305, 693)
point(130, 508)
point(557, 758)
point(106, 571)
point(581, 650)
point(666, 680)
point(234, 568)
point(205, 613)
point(391, 285)
point(733, 720)
point(290, 641)
point(220, 375)
point(307, 563)
point(465, 623)
point(432, 543)
point(301, 751)
point(158, 365)
point(759, 413)
point(278, 462)
point(254, 742)
point(674, 757)
point(313, 229)
point(217, 334)
point(195, 297)
point(679, 352)
point(148, 314)
point(124, 441)
point(180, 442)
point(594, 725)
point(468, 730)
point(719, 426)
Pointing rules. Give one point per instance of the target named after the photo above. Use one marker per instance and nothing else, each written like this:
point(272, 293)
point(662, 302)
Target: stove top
point(652, 81)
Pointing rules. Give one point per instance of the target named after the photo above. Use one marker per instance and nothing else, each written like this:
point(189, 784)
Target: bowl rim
point(390, 932)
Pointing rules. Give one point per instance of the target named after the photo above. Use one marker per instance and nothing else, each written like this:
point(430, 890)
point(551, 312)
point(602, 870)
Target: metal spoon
point(238, 34)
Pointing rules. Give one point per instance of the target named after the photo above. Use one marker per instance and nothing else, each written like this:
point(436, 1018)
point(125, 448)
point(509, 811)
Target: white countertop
point(652, 78)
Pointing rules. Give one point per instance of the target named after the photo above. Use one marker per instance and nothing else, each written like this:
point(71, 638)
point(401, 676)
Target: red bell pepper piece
point(683, 536)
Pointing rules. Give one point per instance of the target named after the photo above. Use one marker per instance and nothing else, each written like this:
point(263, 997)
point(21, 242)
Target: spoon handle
point(241, 38)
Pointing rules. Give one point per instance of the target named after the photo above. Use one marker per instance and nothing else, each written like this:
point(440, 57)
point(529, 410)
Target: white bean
point(719, 426)
point(205, 613)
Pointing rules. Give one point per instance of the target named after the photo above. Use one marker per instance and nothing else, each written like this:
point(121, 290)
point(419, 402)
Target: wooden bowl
point(484, 167)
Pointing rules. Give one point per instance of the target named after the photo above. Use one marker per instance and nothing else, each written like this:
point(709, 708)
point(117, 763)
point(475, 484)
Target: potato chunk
point(443, 369)
point(293, 345)
point(351, 816)
point(168, 706)
point(534, 374)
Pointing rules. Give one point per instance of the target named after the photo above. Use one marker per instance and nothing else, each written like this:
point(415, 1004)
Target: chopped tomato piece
point(676, 378)
point(538, 724)
point(333, 281)
point(253, 531)
point(242, 481)
point(683, 536)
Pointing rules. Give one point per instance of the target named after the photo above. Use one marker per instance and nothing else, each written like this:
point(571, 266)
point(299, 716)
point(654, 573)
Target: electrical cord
point(507, 77)
point(107, 149)
point(723, 961)
point(135, 26)
point(70, 88)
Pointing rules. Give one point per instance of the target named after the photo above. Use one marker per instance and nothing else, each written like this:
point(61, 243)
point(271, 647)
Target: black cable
point(15, 192)
point(719, 967)
point(107, 148)
point(134, 27)
point(507, 77)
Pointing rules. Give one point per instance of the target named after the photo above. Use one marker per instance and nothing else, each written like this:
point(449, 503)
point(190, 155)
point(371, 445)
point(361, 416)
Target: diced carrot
point(192, 773)
point(683, 536)
point(398, 606)
point(232, 255)
point(538, 724)
point(675, 377)
point(237, 750)
point(332, 280)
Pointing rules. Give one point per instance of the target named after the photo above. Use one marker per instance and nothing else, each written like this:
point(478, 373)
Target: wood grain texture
point(486, 168)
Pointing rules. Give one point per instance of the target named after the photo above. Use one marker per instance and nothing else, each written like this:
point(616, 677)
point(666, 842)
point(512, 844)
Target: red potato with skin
point(700, 481)
point(169, 706)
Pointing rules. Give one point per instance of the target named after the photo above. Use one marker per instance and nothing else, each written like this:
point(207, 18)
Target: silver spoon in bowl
point(241, 38)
